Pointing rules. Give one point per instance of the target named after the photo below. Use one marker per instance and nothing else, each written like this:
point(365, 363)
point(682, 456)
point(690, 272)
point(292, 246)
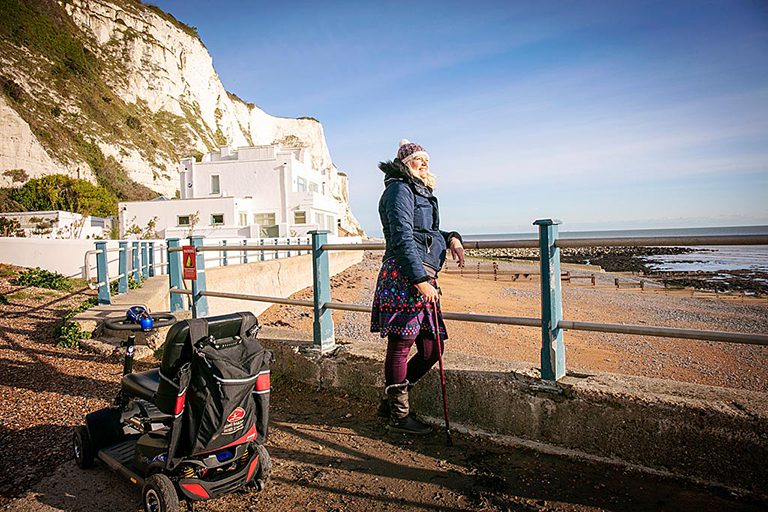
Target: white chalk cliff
point(163, 66)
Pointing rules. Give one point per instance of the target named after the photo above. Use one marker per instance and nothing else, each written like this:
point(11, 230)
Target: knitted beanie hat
point(409, 150)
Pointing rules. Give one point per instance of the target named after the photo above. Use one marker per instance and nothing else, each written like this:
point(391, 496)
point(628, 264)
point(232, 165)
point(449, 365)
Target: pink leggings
point(396, 370)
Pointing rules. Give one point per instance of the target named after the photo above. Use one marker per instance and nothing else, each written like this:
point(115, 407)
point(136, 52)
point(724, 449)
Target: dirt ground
point(330, 452)
point(702, 362)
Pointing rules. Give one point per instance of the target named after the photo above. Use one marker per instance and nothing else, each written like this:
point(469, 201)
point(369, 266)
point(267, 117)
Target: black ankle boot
point(399, 418)
point(409, 425)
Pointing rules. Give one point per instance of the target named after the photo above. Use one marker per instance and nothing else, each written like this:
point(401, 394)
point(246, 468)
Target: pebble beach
point(718, 364)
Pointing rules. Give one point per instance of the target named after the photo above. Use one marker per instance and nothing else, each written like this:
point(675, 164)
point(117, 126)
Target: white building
point(60, 224)
point(260, 191)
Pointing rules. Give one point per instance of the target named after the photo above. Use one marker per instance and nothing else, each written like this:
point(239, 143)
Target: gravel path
point(329, 451)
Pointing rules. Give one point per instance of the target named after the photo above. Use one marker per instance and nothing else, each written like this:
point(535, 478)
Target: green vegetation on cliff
point(58, 192)
point(63, 85)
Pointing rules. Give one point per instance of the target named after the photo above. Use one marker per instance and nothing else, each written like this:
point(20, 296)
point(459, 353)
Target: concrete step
point(111, 346)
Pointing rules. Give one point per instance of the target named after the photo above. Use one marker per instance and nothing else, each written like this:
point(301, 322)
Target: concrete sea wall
point(705, 433)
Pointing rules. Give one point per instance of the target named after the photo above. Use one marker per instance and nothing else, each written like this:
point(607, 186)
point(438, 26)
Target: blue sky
point(605, 114)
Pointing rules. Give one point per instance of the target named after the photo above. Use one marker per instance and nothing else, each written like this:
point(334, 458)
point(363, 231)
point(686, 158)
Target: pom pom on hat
point(409, 150)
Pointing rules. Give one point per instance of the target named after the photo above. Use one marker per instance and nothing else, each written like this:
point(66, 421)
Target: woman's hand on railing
point(457, 251)
point(428, 291)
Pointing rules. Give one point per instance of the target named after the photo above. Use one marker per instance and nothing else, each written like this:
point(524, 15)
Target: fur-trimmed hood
point(397, 170)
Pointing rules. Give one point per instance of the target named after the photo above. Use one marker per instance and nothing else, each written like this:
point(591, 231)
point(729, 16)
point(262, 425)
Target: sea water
point(708, 259)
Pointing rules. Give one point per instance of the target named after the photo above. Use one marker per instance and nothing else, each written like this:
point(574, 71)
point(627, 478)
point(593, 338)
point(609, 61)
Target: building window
point(215, 185)
point(329, 222)
point(301, 184)
point(267, 225)
point(183, 220)
point(313, 187)
point(299, 217)
point(217, 219)
point(243, 219)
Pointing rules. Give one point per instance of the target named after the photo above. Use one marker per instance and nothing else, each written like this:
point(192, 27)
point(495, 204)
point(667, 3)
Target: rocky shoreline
point(633, 259)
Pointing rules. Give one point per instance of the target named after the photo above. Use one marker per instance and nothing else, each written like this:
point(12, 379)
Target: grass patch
point(19, 296)
point(44, 27)
point(7, 270)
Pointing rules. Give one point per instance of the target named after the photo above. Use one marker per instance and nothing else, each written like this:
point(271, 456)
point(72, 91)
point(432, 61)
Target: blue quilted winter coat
point(410, 219)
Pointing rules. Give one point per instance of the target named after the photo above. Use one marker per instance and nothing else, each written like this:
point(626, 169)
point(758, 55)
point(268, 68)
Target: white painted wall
point(167, 213)
point(68, 256)
point(62, 225)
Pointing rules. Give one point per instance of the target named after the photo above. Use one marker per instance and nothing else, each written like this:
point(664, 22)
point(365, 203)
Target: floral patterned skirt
point(400, 309)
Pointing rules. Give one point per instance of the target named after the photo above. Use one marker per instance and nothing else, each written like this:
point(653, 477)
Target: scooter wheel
point(82, 447)
point(265, 464)
point(159, 494)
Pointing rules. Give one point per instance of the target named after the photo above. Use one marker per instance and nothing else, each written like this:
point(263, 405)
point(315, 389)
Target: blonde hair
point(430, 180)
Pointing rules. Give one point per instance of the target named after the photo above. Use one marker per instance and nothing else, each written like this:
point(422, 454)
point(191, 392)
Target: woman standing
point(406, 296)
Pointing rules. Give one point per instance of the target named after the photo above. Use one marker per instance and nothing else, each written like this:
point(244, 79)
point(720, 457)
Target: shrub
point(70, 334)
point(43, 279)
point(10, 227)
point(16, 174)
point(59, 192)
point(132, 284)
point(133, 123)
point(11, 89)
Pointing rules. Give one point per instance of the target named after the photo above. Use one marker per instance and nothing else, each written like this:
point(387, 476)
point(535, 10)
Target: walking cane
point(448, 439)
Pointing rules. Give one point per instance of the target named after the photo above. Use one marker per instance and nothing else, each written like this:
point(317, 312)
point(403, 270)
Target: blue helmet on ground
point(140, 315)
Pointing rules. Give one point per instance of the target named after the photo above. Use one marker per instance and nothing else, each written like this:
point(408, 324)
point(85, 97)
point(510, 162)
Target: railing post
point(102, 273)
point(224, 253)
point(245, 251)
point(151, 260)
point(552, 346)
point(322, 327)
point(174, 276)
point(144, 261)
point(288, 253)
point(199, 302)
point(135, 265)
point(122, 268)
point(277, 253)
point(261, 253)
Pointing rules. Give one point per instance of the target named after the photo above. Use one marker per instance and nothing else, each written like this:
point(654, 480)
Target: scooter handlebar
point(158, 320)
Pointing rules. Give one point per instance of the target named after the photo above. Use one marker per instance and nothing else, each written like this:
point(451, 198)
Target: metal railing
point(136, 261)
point(551, 321)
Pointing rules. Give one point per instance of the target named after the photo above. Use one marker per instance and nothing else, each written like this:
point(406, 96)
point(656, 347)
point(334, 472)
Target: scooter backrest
point(178, 346)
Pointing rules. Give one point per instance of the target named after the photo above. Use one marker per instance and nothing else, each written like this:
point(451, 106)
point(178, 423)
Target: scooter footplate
point(119, 458)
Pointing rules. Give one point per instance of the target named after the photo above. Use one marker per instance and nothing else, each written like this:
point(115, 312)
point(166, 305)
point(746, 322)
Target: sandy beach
point(711, 363)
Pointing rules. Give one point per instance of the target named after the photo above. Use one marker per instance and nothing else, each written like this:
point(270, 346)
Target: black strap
point(183, 376)
point(198, 330)
point(249, 324)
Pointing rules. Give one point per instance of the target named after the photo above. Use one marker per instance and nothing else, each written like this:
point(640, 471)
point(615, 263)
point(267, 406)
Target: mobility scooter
point(193, 429)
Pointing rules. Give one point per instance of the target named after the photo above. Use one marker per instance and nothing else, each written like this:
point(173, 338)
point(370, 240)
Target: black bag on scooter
point(227, 399)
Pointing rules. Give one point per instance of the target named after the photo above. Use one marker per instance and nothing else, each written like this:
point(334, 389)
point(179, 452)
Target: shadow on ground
point(330, 452)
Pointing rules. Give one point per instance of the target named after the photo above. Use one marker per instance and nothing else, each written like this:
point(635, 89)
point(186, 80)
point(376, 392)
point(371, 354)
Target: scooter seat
point(142, 384)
